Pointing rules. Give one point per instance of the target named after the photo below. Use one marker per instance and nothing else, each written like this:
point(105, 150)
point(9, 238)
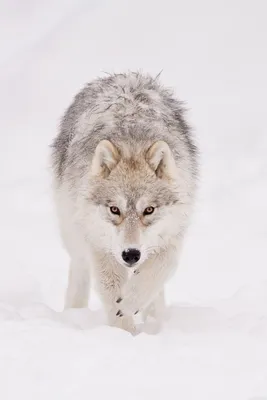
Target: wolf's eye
point(115, 210)
point(149, 210)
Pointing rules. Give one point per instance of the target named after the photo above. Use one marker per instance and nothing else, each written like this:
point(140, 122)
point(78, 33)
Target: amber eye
point(149, 210)
point(115, 210)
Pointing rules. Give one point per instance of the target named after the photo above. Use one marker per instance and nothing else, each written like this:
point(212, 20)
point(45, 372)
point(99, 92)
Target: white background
point(214, 346)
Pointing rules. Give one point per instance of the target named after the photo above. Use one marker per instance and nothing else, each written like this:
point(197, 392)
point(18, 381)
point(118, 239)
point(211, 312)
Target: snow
point(214, 343)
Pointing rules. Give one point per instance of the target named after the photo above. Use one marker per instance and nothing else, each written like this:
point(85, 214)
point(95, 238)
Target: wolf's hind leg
point(78, 285)
point(157, 308)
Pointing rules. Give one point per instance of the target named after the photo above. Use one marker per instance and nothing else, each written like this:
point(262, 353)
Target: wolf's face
point(134, 202)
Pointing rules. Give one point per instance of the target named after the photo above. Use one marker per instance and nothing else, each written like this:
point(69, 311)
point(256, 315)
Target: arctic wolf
point(125, 169)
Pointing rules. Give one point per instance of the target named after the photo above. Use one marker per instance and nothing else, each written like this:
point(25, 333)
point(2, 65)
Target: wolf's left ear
point(106, 158)
point(160, 159)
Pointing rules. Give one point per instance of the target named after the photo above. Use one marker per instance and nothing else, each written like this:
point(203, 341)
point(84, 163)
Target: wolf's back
point(132, 109)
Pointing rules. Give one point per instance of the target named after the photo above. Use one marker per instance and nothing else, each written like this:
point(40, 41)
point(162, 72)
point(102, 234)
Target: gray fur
point(139, 106)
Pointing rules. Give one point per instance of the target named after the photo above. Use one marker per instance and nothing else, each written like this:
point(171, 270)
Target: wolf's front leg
point(144, 287)
point(78, 284)
point(110, 278)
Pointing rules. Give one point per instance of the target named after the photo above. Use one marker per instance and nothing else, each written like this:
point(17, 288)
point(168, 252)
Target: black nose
point(131, 256)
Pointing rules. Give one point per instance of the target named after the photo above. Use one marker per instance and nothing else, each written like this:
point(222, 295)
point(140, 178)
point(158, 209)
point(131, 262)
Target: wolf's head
point(135, 202)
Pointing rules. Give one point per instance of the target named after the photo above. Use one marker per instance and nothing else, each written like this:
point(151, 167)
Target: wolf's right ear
point(106, 157)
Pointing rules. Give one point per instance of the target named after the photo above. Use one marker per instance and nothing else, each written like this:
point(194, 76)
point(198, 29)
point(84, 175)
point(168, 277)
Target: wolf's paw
point(126, 307)
point(124, 322)
point(119, 314)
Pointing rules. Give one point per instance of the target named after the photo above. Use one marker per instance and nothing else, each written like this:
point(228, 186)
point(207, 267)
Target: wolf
point(124, 167)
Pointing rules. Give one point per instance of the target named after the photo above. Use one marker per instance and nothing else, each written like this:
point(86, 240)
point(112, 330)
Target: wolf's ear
point(106, 157)
point(159, 157)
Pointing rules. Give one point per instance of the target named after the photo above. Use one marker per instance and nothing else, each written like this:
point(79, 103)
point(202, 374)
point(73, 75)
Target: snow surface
point(214, 344)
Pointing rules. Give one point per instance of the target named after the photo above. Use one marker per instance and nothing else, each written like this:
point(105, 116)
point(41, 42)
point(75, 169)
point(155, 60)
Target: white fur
point(123, 141)
point(143, 291)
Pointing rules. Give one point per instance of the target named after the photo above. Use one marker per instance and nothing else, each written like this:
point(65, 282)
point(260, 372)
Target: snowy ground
point(214, 345)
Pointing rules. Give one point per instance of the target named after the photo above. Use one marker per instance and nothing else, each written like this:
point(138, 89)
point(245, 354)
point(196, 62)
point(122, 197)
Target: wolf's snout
point(131, 256)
